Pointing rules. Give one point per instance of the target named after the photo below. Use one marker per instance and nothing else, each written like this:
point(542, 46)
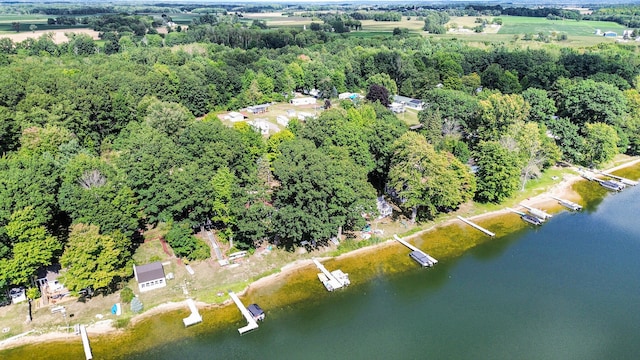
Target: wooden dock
point(476, 226)
point(542, 215)
point(621, 179)
point(568, 204)
point(332, 280)
point(251, 322)
point(195, 317)
point(85, 342)
point(418, 255)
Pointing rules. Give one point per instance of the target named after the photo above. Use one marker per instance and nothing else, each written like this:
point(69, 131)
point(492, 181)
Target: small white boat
point(325, 281)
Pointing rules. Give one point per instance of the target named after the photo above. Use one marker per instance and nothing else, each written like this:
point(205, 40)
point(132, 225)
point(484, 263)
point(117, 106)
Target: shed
point(610, 34)
point(258, 109)
point(149, 276)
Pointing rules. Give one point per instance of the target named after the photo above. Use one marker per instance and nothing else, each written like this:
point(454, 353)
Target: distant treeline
point(624, 15)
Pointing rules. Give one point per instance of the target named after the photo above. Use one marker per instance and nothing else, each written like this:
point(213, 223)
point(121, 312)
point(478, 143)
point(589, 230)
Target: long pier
point(477, 226)
point(516, 211)
point(568, 204)
point(195, 317)
point(85, 342)
point(622, 180)
point(251, 322)
point(537, 212)
point(418, 255)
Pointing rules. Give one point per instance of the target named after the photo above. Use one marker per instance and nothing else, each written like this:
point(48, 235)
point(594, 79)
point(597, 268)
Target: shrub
point(126, 295)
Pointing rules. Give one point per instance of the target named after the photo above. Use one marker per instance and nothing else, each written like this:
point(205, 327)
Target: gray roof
point(149, 272)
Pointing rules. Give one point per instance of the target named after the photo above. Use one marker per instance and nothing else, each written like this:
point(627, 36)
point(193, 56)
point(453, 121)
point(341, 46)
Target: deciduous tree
point(94, 259)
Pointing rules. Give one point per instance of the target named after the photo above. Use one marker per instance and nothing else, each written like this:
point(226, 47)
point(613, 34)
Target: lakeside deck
point(332, 280)
point(252, 324)
point(195, 317)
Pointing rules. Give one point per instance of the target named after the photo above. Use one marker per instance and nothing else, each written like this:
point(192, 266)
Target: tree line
point(98, 147)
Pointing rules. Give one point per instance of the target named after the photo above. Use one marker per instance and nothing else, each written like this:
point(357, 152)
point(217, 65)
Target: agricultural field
point(276, 19)
point(513, 25)
point(413, 24)
point(579, 33)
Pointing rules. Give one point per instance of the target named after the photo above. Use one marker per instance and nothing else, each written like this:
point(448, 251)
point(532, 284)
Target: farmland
point(513, 25)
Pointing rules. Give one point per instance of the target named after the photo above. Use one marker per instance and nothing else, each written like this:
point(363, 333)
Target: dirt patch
point(58, 36)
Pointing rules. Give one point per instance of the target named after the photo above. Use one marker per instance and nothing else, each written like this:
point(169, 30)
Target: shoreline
point(562, 189)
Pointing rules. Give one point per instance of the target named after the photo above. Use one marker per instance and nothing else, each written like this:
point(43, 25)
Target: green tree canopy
point(318, 194)
point(425, 180)
point(94, 259)
point(498, 172)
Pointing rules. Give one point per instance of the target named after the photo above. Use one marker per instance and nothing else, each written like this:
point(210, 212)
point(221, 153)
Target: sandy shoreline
point(563, 189)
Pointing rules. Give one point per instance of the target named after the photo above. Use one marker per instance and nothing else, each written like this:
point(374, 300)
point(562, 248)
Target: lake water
point(566, 290)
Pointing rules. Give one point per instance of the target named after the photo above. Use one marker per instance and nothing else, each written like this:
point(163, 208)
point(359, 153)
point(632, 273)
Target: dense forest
point(100, 141)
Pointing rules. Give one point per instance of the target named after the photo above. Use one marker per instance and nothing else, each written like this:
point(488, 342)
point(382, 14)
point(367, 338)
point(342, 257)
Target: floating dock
point(251, 322)
point(418, 255)
point(621, 179)
point(332, 280)
point(527, 218)
point(568, 204)
point(85, 342)
point(477, 226)
point(195, 317)
point(540, 214)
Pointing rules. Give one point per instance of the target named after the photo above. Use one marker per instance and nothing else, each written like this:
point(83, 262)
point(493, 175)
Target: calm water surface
point(566, 290)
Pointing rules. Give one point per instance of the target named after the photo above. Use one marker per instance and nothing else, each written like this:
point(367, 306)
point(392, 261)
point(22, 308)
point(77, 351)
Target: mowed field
point(513, 25)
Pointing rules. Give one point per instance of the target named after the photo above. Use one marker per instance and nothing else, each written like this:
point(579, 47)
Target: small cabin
point(149, 276)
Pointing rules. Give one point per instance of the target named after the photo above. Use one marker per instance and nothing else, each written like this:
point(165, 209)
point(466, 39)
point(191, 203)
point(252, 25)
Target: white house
point(397, 107)
point(47, 281)
point(303, 101)
point(234, 116)
point(409, 102)
point(262, 125)
point(149, 276)
point(282, 120)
